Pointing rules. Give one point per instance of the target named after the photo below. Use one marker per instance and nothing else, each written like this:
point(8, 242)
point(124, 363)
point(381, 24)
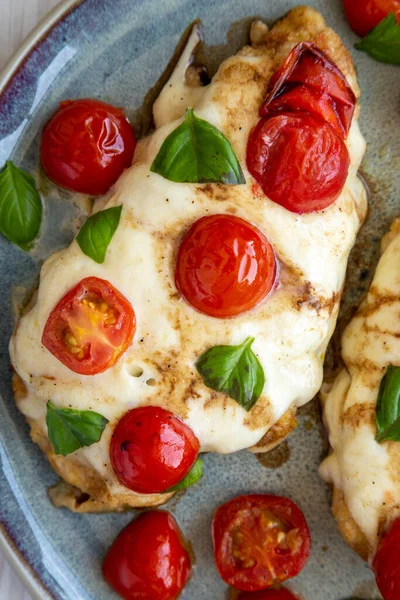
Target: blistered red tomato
point(148, 560)
point(91, 326)
point(387, 563)
point(152, 450)
point(269, 594)
point(310, 82)
point(299, 162)
point(307, 100)
point(225, 266)
point(259, 541)
point(86, 145)
point(364, 15)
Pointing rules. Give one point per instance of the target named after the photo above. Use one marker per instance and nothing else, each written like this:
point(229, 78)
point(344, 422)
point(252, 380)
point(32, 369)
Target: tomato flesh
point(148, 560)
point(386, 564)
point(270, 594)
point(91, 326)
point(310, 82)
point(152, 450)
point(259, 541)
point(225, 266)
point(86, 145)
point(300, 163)
point(364, 15)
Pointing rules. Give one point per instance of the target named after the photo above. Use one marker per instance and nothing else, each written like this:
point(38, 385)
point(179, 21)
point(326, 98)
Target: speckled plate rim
point(9, 547)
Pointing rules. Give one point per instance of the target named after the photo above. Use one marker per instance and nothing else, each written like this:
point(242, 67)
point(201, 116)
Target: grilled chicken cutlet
point(359, 412)
point(223, 292)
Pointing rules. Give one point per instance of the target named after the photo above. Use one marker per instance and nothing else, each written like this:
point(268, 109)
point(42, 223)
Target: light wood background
point(17, 19)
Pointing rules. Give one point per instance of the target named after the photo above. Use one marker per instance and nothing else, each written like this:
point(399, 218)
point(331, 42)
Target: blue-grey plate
point(116, 50)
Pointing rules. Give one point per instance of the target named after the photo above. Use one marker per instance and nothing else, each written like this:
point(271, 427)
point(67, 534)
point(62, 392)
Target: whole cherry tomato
point(86, 145)
point(225, 266)
point(259, 541)
point(386, 564)
point(364, 15)
point(152, 450)
point(148, 560)
point(91, 326)
point(270, 594)
point(299, 162)
point(310, 82)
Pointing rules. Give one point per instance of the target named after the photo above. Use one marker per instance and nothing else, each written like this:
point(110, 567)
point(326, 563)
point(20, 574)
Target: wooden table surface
point(17, 19)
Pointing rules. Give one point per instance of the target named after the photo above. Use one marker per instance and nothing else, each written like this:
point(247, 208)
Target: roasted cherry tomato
point(310, 82)
point(86, 145)
point(225, 266)
point(91, 326)
point(148, 560)
point(270, 594)
point(300, 163)
point(364, 15)
point(259, 540)
point(307, 100)
point(152, 450)
point(387, 563)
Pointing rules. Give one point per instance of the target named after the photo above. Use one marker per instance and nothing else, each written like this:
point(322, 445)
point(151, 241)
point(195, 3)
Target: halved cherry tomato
point(259, 540)
point(310, 82)
point(152, 450)
point(270, 594)
point(387, 563)
point(86, 145)
point(148, 559)
point(91, 326)
point(225, 266)
point(364, 15)
point(300, 163)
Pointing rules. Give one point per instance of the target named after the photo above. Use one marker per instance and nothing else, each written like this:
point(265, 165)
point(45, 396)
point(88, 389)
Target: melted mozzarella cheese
point(365, 471)
point(291, 328)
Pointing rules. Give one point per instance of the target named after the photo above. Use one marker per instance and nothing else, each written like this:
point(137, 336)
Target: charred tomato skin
point(152, 450)
point(148, 559)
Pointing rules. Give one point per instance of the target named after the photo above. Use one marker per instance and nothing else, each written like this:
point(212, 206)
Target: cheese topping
point(365, 471)
point(291, 328)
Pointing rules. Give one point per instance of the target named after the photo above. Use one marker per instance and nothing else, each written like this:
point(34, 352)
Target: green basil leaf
point(383, 42)
point(96, 234)
point(20, 206)
point(190, 479)
point(388, 406)
point(71, 429)
point(234, 370)
point(196, 152)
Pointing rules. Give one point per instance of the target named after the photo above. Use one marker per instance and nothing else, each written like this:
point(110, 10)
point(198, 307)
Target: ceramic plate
point(116, 50)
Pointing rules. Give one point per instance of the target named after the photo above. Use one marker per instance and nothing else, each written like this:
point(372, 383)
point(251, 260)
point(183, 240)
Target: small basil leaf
point(71, 429)
point(20, 206)
point(190, 479)
point(234, 370)
point(196, 152)
point(383, 42)
point(96, 234)
point(388, 406)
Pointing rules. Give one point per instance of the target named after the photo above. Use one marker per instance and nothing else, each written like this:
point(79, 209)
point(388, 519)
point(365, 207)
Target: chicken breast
point(291, 329)
point(365, 473)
